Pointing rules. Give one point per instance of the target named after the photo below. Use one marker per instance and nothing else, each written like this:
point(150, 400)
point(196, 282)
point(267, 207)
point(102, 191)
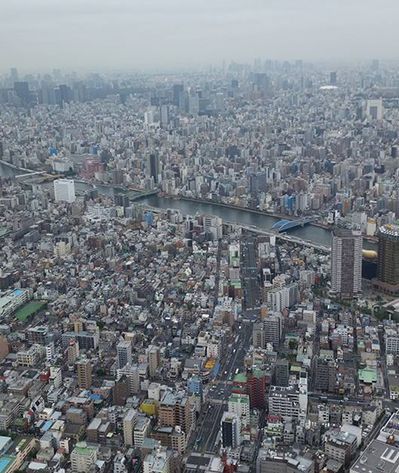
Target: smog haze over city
point(199, 236)
point(166, 34)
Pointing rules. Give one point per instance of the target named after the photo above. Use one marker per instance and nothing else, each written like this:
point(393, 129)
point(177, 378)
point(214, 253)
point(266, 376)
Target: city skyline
point(177, 35)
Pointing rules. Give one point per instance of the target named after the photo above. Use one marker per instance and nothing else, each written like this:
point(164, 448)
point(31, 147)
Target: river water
point(264, 222)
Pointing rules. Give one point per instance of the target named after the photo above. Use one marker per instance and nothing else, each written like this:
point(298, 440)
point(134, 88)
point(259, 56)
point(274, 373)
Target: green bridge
point(134, 196)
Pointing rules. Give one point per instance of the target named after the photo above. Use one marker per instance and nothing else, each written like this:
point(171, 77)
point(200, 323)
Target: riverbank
point(275, 215)
point(16, 168)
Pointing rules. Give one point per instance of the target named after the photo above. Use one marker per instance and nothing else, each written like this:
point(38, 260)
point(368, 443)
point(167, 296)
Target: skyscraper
point(154, 166)
point(14, 74)
point(164, 115)
point(388, 258)
point(178, 94)
point(22, 92)
point(346, 262)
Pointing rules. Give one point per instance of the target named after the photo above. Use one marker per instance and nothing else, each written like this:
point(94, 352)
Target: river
point(265, 222)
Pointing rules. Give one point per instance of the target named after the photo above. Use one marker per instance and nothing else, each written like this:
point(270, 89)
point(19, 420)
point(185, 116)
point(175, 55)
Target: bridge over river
point(285, 225)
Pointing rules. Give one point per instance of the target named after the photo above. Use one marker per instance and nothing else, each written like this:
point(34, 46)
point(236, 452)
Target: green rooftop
point(24, 312)
point(83, 449)
point(240, 398)
point(240, 378)
point(368, 375)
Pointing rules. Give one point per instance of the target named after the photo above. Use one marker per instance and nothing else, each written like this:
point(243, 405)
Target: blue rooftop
point(5, 462)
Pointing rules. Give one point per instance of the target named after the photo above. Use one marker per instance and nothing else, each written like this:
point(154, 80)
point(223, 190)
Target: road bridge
point(285, 225)
point(282, 236)
point(134, 196)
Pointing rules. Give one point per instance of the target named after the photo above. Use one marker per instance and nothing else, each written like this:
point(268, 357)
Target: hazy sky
point(129, 34)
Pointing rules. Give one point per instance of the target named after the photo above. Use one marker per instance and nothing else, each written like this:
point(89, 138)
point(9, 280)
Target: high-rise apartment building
point(239, 404)
point(284, 401)
point(153, 360)
point(388, 258)
point(133, 377)
point(124, 353)
point(128, 427)
point(64, 190)
point(268, 331)
point(346, 262)
point(84, 371)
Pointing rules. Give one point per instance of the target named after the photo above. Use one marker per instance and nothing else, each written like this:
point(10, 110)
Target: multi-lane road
point(207, 435)
point(249, 273)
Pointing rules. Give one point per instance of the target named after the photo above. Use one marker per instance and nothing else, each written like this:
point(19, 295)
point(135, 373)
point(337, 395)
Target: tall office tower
point(178, 93)
point(153, 360)
point(164, 115)
point(128, 427)
point(230, 430)
point(124, 352)
point(282, 373)
point(193, 104)
point(258, 335)
point(375, 64)
point(388, 258)
point(346, 262)
point(375, 109)
point(84, 370)
point(333, 78)
point(273, 328)
point(64, 190)
point(153, 162)
point(13, 74)
point(22, 91)
point(261, 82)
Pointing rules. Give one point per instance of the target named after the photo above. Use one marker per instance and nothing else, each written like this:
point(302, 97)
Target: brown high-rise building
point(84, 370)
point(4, 347)
point(388, 258)
point(176, 410)
point(346, 262)
point(72, 351)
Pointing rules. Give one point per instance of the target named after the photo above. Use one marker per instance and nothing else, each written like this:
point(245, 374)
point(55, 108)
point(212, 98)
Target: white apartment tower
point(64, 190)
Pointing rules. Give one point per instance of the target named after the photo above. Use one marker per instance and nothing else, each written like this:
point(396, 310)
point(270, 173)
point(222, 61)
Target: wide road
point(249, 273)
point(207, 435)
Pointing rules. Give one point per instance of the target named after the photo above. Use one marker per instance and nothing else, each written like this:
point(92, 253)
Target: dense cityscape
point(199, 272)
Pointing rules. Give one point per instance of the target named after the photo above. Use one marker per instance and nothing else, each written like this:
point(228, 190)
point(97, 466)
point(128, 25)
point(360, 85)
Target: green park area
point(24, 312)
